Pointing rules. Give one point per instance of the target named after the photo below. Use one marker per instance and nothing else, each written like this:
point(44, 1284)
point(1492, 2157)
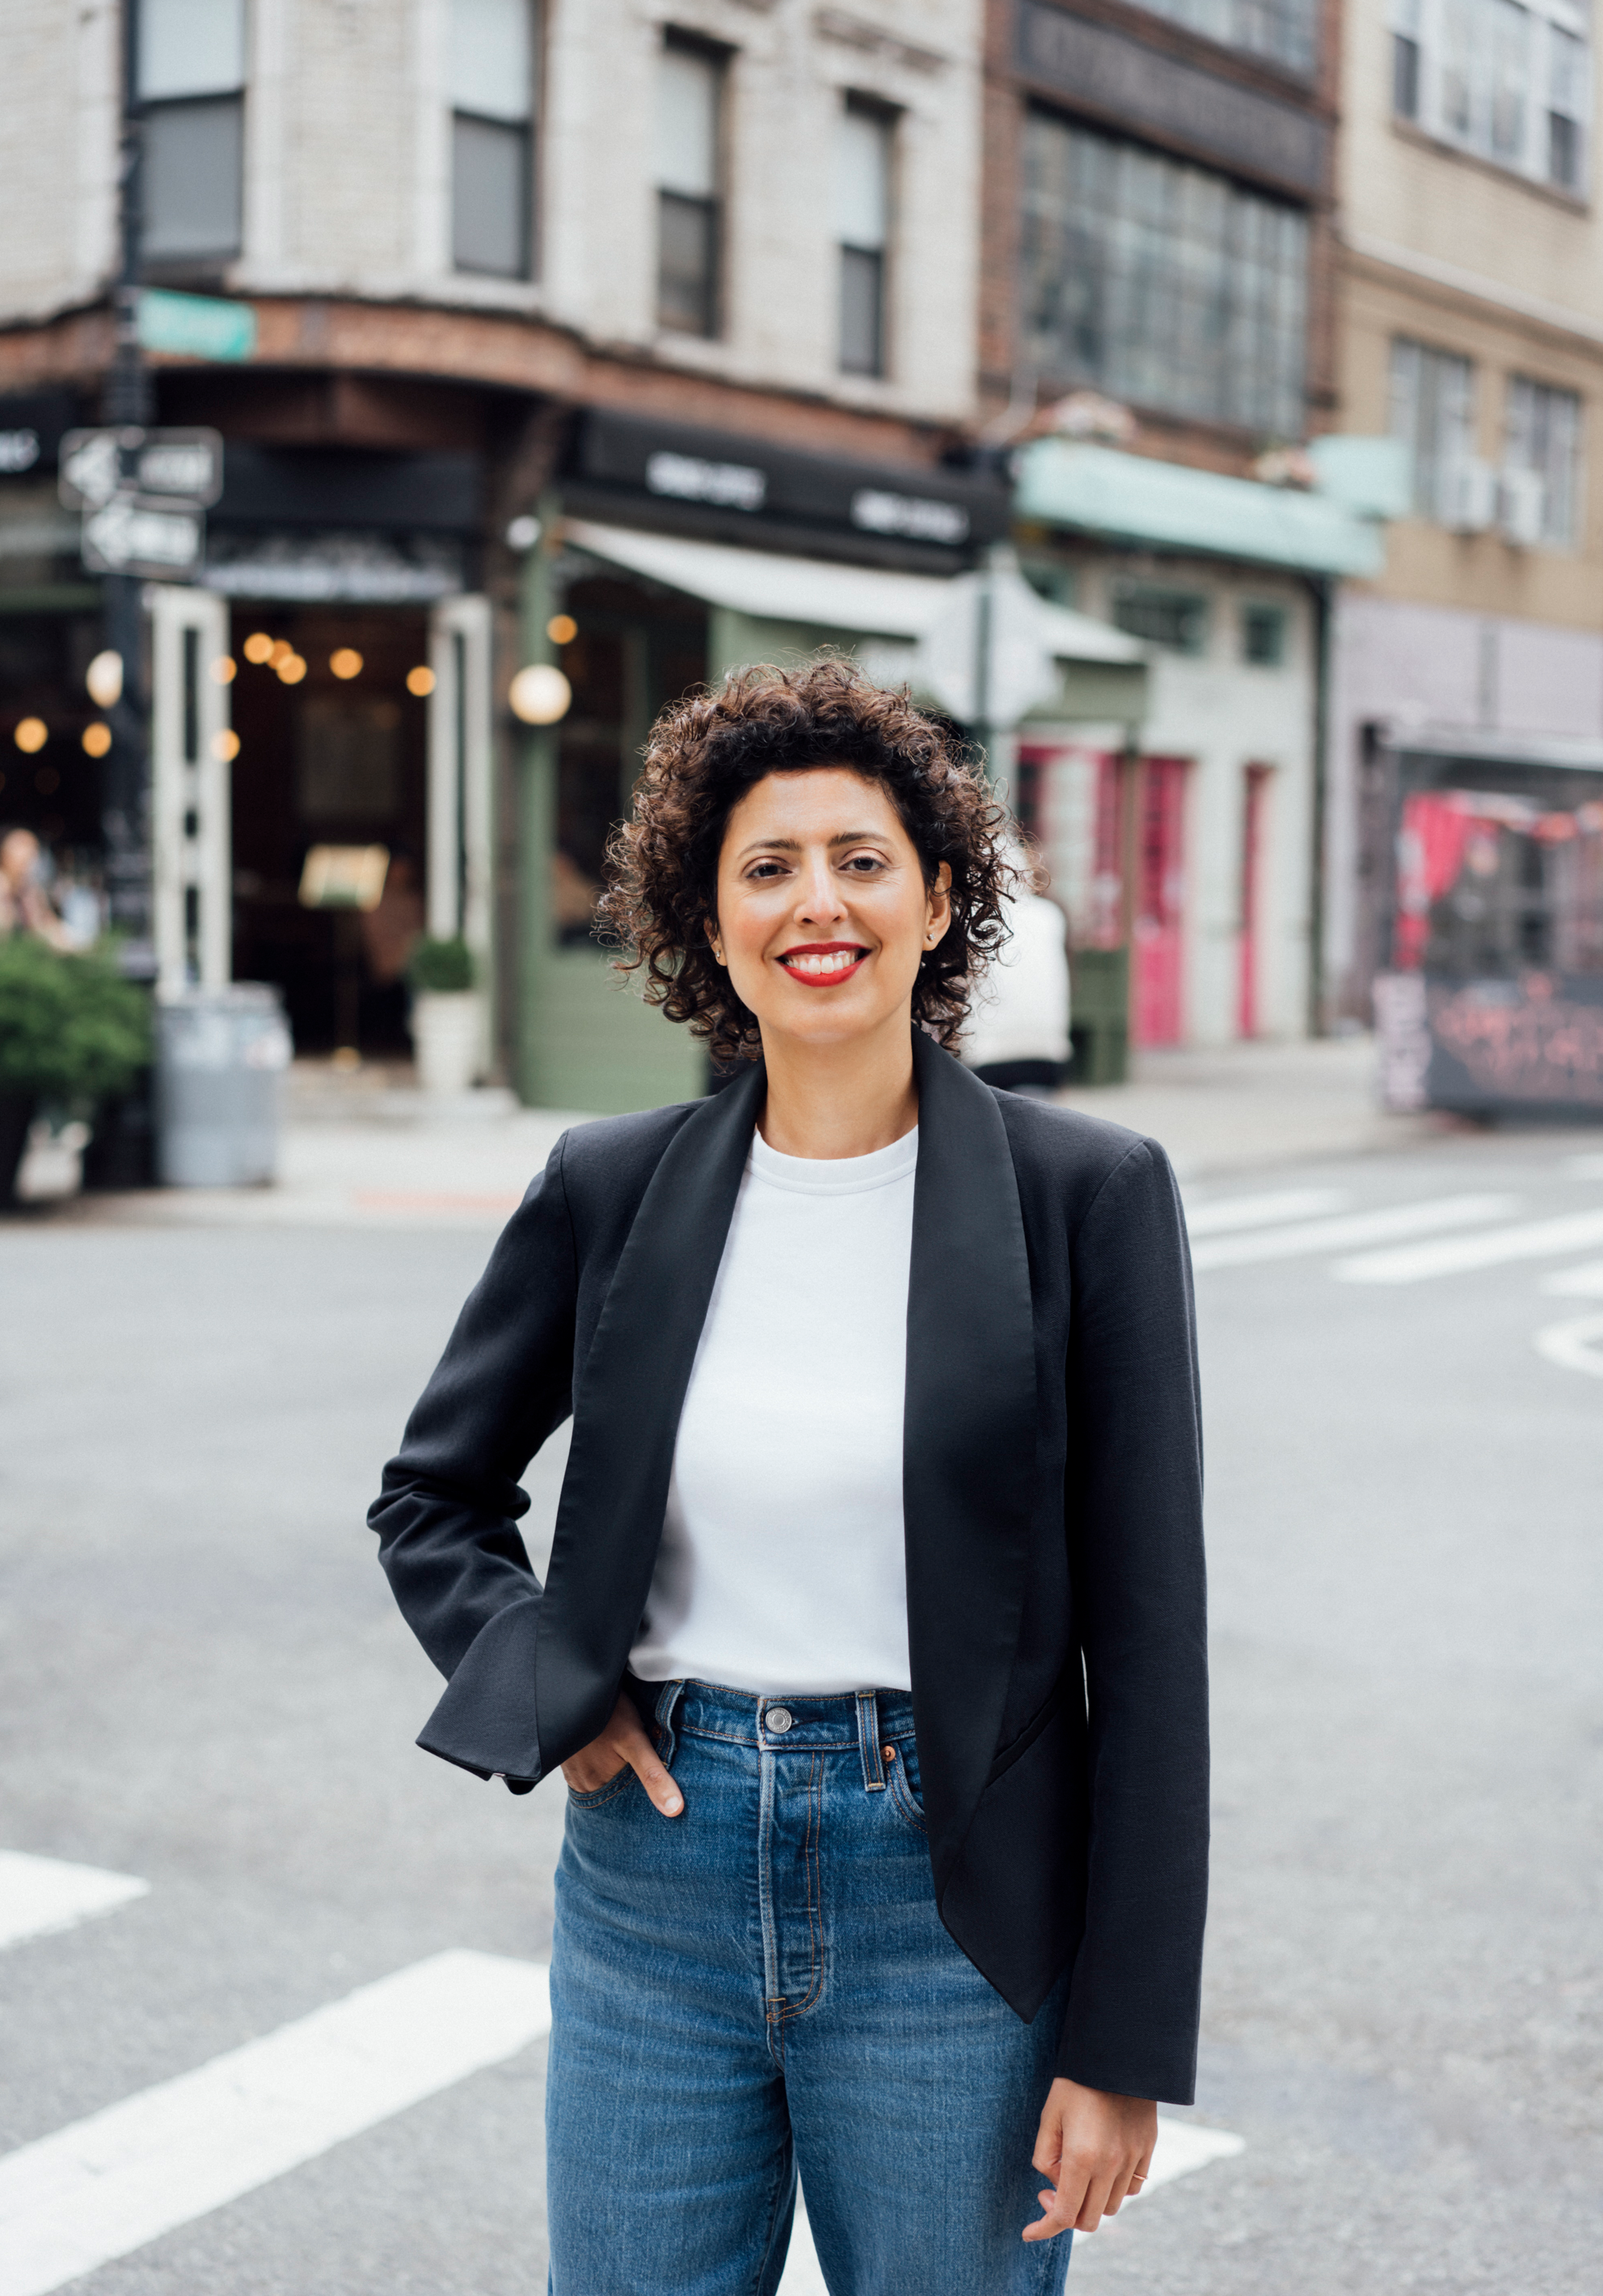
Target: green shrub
point(441, 966)
point(71, 1027)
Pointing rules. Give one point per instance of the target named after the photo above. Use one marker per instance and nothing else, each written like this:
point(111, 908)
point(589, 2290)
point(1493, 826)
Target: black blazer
point(1052, 1487)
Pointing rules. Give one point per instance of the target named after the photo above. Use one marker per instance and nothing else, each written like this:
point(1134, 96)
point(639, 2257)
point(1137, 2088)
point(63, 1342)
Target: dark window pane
point(1564, 150)
point(686, 264)
point(1405, 77)
point(1263, 636)
point(1177, 618)
point(862, 311)
point(489, 197)
point(190, 179)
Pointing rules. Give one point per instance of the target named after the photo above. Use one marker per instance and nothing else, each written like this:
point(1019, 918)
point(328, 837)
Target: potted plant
point(447, 1014)
point(72, 1031)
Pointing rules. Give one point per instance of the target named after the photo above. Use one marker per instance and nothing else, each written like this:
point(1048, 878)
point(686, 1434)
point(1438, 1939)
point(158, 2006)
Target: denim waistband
point(865, 1720)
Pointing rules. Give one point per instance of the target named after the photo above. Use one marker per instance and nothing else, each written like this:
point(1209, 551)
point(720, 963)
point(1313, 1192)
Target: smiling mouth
point(823, 963)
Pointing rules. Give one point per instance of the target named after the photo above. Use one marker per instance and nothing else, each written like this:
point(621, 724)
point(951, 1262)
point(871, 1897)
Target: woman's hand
point(624, 1745)
point(1096, 2148)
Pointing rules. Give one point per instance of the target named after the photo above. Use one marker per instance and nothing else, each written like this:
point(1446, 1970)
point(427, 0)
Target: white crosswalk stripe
point(40, 1895)
point(1303, 1239)
point(1454, 1255)
point(108, 2184)
point(1576, 1346)
point(1583, 1283)
point(1224, 1219)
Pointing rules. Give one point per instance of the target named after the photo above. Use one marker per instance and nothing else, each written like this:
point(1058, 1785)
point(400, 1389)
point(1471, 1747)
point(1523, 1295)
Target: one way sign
point(133, 535)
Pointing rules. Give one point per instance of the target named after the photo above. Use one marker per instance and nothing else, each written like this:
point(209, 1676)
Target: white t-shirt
point(781, 1566)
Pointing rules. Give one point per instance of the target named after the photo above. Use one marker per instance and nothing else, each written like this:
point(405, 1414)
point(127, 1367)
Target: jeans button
point(779, 1719)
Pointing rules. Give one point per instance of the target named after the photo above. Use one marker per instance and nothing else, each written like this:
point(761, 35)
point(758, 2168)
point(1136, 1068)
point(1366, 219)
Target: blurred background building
point(636, 343)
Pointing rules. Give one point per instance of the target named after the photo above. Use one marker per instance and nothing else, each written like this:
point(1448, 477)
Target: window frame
point(885, 119)
point(711, 207)
point(1560, 533)
point(525, 130)
point(1448, 51)
point(1420, 373)
point(151, 111)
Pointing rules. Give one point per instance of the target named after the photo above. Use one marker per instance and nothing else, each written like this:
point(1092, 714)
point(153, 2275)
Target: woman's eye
point(763, 870)
point(865, 864)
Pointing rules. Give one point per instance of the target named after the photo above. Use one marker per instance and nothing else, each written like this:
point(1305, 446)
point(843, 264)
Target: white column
point(459, 775)
point(190, 790)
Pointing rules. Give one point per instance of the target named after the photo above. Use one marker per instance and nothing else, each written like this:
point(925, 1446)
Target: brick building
point(590, 332)
point(1157, 345)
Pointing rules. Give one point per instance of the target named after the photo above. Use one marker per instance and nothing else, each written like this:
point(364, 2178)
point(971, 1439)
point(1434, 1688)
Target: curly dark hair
point(708, 749)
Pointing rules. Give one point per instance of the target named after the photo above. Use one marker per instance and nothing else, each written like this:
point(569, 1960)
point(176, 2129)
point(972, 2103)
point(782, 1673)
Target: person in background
point(1017, 1036)
point(25, 905)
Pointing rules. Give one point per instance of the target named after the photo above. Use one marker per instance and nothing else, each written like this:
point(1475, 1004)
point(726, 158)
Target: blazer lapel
point(626, 1417)
point(968, 1459)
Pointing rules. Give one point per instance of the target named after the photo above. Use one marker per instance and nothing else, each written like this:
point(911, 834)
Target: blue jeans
point(763, 1986)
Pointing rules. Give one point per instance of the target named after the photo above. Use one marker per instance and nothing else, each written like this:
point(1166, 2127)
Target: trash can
point(1100, 1028)
point(220, 1058)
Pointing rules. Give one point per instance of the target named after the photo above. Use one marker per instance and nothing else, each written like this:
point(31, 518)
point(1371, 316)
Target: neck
point(829, 1100)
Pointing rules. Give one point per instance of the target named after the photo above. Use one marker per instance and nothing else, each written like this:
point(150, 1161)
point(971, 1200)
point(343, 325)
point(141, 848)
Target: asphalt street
point(203, 1686)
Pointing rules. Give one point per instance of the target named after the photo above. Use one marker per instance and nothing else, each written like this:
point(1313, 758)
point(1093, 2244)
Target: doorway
point(1158, 925)
point(331, 708)
point(1254, 794)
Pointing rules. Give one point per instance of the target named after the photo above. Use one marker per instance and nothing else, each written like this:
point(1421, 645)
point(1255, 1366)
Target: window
point(191, 85)
point(1162, 283)
point(689, 223)
point(1285, 31)
point(492, 140)
point(1508, 81)
point(862, 197)
point(1432, 412)
point(1542, 441)
point(1175, 618)
point(1263, 637)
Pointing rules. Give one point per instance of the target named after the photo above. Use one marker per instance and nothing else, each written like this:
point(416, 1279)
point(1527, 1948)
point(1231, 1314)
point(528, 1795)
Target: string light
point(225, 669)
point(539, 693)
point(226, 744)
point(31, 735)
point(420, 681)
point(97, 739)
point(258, 647)
point(345, 661)
point(280, 651)
point(293, 668)
point(104, 678)
point(562, 629)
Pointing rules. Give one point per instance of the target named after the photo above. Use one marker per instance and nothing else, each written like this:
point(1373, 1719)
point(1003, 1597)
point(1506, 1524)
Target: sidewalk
point(366, 1150)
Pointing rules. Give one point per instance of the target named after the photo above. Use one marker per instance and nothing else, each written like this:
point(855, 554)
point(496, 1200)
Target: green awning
point(1165, 506)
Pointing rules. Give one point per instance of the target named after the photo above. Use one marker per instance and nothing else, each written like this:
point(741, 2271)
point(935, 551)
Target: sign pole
point(126, 801)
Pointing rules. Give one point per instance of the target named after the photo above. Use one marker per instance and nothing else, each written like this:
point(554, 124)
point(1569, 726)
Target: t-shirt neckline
point(834, 1176)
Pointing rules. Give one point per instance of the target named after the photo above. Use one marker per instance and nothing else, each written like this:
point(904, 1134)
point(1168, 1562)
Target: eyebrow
point(794, 844)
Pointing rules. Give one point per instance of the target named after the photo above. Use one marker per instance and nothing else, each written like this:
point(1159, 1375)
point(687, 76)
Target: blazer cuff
point(485, 1721)
point(1165, 2073)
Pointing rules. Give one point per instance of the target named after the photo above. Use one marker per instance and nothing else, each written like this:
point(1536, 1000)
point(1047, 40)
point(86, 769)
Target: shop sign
point(1480, 1045)
point(195, 326)
point(718, 473)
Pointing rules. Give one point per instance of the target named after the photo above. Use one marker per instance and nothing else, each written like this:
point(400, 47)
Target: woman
point(872, 1642)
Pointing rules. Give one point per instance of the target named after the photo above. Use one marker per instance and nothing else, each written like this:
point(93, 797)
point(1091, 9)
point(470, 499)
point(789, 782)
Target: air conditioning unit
point(1468, 496)
point(1521, 502)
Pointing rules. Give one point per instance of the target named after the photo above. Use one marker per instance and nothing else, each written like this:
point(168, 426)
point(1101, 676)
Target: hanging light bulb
point(97, 739)
point(345, 661)
point(225, 669)
point(104, 678)
point(31, 735)
point(420, 681)
point(257, 648)
point(225, 745)
point(539, 695)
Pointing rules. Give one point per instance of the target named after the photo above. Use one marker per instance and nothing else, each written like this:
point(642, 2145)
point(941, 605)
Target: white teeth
point(840, 961)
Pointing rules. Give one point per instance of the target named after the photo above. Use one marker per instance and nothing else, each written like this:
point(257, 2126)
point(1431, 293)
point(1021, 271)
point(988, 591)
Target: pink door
point(1255, 785)
point(1160, 892)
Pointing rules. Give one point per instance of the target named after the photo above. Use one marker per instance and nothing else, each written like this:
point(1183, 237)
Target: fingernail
point(673, 1805)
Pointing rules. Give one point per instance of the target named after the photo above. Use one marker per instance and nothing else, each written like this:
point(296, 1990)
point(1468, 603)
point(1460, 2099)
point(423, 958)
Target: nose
point(819, 899)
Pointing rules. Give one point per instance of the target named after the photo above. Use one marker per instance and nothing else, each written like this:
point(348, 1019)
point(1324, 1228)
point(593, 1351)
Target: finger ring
point(1138, 2180)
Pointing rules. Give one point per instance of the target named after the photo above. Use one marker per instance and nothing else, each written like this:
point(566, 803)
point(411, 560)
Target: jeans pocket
point(614, 1788)
point(901, 1779)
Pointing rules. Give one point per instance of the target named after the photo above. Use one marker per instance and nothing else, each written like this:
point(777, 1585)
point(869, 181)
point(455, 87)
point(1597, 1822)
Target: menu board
point(1535, 1041)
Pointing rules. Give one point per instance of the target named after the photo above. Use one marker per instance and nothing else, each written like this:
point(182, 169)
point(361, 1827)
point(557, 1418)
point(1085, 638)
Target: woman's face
point(823, 913)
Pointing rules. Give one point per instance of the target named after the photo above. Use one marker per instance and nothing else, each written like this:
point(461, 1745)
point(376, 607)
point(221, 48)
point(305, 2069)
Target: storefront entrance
point(1160, 891)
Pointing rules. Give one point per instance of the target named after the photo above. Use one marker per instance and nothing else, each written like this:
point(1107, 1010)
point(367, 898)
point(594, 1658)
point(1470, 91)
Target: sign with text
point(185, 465)
point(132, 534)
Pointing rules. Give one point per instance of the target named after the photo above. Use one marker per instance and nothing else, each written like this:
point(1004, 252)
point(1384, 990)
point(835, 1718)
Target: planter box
point(448, 1035)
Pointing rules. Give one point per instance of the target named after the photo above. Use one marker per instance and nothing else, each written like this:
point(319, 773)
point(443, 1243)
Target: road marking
point(107, 2185)
point(1307, 1237)
point(1183, 2147)
point(40, 1895)
point(1577, 1345)
point(1262, 1211)
point(1452, 1255)
point(1583, 1283)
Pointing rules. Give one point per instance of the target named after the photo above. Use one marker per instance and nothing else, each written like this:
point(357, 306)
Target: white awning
point(775, 587)
point(1474, 745)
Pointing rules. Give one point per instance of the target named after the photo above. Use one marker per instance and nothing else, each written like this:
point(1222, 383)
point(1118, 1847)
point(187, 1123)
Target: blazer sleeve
point(448, 1510)
point(1134, 1517)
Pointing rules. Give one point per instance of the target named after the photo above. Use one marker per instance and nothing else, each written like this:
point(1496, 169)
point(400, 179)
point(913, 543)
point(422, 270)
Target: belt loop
point(668, 1701)
point(867, 1739)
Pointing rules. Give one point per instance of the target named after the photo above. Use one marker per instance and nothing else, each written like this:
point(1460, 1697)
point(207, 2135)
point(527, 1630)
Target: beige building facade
point(1471, 330)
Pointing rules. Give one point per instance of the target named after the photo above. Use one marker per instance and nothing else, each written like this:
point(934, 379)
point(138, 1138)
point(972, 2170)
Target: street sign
point(197, 326)
point(133, 533)
point(185, 465)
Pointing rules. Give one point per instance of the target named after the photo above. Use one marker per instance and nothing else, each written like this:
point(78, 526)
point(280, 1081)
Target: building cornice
point(1455, 283)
